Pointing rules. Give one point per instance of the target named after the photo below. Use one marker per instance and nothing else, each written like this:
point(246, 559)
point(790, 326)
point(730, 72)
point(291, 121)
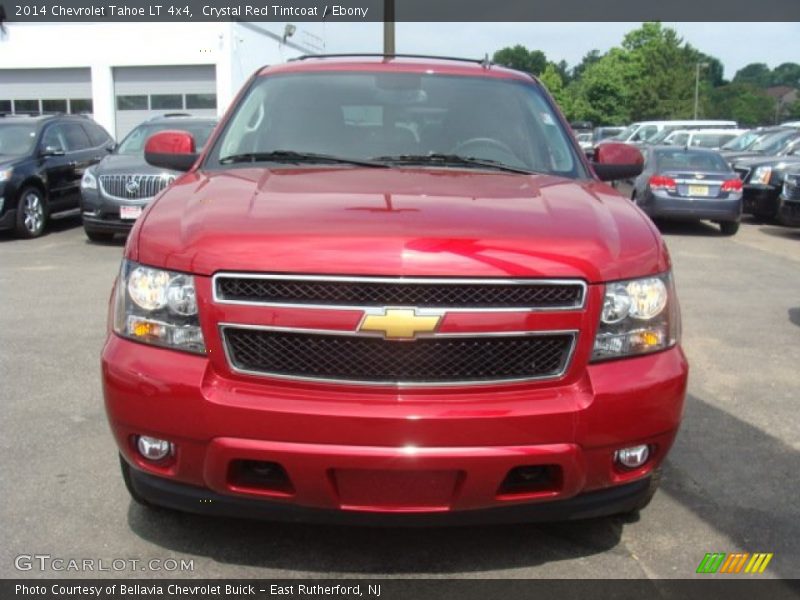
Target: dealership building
point(124, 73)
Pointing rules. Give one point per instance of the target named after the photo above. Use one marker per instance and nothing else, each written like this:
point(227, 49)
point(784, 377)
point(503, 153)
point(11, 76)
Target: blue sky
point(735, 44)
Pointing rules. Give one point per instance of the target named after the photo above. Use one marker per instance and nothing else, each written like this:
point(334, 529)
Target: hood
point(399, 222)
point(7, 162)
point(127, 164)
point(735, 157)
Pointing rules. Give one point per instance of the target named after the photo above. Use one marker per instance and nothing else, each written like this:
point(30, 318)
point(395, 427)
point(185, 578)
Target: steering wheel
point(483, 141)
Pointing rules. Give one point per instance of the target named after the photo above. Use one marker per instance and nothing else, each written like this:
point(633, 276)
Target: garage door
point(144, 92)
point(45, 90)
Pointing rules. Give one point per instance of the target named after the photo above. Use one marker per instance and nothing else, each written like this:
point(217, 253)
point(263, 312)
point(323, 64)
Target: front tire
point(729, 227)
point(31, 213)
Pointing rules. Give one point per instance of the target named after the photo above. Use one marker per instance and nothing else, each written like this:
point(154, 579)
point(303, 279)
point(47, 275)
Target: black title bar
point(404, 10)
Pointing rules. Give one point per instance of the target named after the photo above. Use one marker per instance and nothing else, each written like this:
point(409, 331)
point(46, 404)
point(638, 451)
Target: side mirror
point(174, 150)
point(52, 151)
point(614, 160)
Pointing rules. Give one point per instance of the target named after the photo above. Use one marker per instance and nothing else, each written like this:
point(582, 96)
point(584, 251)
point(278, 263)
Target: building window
point(80, 105)
point(132, 102)
point(54, 106)
point(201, 101)
point(166, 101)
point(26, 106)
point(5, 106)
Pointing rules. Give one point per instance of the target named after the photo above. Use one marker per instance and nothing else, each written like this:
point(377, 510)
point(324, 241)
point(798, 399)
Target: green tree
point(589, 59)
point(757, 74)
point(522, 59)
point(786, 74)
point(552, 80)
point(602, 94)
point(743, 102)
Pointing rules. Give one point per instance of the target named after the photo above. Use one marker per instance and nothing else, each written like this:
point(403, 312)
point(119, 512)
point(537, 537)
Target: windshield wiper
point(291, 156)
point(453, 159)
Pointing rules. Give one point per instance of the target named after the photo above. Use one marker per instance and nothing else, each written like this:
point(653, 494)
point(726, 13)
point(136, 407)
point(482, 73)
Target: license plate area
point(130, 212)
point(396, 490)
point(698, 190)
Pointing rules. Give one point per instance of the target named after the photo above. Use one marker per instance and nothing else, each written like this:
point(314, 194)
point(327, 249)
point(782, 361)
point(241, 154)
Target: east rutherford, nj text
point(279, 10)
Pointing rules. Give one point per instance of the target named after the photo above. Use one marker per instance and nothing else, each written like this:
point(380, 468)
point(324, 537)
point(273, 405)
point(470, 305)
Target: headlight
point(5, 175)
point(157, 307)
point(761, 175)
point(88, 181)
point(639, 316)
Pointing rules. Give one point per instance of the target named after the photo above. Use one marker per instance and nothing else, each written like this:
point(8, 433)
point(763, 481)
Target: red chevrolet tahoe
point(393, 289)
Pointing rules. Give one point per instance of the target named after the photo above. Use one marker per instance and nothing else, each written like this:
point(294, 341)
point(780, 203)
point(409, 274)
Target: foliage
point(652, 75)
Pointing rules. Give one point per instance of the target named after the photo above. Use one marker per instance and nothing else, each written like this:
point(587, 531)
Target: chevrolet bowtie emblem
point(399, 323)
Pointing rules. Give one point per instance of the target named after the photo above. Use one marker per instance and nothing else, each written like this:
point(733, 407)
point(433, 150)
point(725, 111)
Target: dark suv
point(42, 160)
point(115, 192)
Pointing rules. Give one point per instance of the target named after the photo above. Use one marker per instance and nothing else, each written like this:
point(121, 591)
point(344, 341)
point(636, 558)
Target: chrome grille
point(360, 292)
point(438, 360)
point(134, 187)
point(791, 188)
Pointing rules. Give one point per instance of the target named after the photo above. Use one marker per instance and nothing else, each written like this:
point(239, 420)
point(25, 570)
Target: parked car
point(115, 192)
point(603, 133)
point(42, 160)
point(763, 179)
point(393, 290)
point(646, 131)
point(585, 141)
point(775, 142)
point(789, 201)
point(713, 139)
point(689, 183)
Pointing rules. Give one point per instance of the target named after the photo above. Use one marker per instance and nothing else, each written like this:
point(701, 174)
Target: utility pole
point(388, 27)
point(697, 86)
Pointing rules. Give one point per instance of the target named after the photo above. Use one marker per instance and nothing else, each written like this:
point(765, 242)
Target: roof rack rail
point(484, 62)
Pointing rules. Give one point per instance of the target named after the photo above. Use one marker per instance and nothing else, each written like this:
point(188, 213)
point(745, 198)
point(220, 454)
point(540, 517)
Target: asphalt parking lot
point(731, 483)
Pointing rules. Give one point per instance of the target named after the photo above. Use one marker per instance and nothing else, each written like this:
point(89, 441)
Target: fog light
point(633, 457)
point(153, 448)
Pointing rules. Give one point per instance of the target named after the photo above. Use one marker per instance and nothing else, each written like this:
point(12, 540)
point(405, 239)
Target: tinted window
point(5, 106)
point(80, 105)
point(369, 115)
point(16, 139)
point(773, 143)
point(75, 137)
point(132, 102)
point(166, 101)
point(678, 160)
point(54, 138)
point(54, 106)
point(26, 106)
point(201, 101)
point(133, 143)
point(97, 135)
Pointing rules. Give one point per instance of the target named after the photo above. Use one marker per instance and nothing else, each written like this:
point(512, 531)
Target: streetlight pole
point(697, 86)
point(388, 27)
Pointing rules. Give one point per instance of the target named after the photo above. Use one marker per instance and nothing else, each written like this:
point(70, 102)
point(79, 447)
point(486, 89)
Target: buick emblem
point(132, 187)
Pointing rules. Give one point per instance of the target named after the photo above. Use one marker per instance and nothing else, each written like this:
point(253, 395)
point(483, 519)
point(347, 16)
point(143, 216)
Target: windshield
point(773, 143)
point(743, 141)
point(627, 132)
point(17, 139)
point(386, 116)
point(133, 144)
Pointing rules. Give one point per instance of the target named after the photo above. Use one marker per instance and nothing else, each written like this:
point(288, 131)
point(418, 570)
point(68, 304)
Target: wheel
point(98, 236)
point(31, 213)
point(729, 227)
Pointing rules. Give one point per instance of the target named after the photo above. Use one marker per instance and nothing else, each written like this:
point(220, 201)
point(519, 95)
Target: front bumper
point(789, 212)
point(102, 215)
point(761, 200)
point(416, 455)
point(8, 220)
point(202, 501)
